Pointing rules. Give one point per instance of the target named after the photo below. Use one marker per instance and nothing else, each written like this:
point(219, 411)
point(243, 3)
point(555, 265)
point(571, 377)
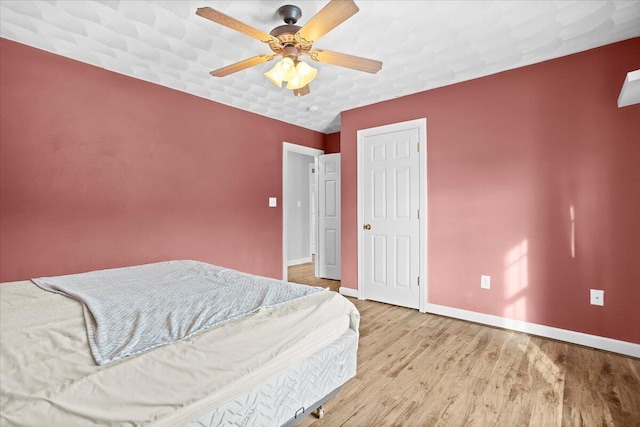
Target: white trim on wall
point(286, 148)
point(299, 261)
point(348, 292)
point(595, 341)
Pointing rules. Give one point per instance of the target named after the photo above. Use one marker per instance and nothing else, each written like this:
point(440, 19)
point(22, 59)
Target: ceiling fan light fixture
point(284, 70)
point(274, 76)
point(288, 68)
point(304, 75)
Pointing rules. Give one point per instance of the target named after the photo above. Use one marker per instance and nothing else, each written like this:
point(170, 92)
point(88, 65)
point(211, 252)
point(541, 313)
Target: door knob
point(367, 226)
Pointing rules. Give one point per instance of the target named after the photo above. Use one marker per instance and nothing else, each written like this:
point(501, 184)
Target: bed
point(270, 367)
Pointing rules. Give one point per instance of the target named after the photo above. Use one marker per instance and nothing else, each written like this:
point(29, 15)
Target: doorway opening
point(301, 197)
point(297, 161)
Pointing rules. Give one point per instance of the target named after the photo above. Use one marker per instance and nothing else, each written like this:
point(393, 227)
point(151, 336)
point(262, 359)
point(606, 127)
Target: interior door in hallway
point(328, 253)
point(312, 208)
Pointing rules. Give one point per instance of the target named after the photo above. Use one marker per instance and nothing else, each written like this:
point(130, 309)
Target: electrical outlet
point(485, 282)
point(597, 297)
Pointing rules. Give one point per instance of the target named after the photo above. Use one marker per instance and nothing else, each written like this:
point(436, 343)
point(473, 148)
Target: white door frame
point(288, 147)
point(421, 124)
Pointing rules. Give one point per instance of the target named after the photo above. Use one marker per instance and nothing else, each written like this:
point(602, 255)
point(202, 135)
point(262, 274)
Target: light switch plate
point(597, 297)
point(485, 282)
point(273, 202)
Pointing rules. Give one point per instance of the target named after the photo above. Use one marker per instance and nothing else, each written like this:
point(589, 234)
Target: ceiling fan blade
point(304, 90)
point(329, 17)
point(344, 60)
point(239, 66)
point(234, 24)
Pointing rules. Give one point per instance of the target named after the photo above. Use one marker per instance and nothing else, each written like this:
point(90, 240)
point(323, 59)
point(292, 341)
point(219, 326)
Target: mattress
point(50, 378)
point(277, 401)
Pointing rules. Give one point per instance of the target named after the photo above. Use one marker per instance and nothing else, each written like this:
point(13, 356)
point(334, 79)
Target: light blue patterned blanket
point(131, 310)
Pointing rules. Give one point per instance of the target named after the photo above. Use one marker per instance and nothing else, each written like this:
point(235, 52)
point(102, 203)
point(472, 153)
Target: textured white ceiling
point(423, 44)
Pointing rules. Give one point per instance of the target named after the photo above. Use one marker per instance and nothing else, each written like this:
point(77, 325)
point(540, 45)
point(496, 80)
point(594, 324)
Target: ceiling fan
point(292, 42)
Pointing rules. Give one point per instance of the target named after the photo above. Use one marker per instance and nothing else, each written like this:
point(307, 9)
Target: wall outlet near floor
point(485, 282)
point(597, 297)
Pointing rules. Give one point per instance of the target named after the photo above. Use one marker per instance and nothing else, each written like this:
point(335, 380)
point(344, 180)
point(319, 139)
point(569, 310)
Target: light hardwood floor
point(425, 370)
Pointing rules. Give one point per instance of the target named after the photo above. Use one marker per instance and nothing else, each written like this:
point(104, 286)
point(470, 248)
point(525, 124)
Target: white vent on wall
point(630, 93)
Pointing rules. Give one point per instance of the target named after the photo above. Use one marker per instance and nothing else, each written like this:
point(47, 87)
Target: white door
point(312, 207)
point(390, 213)
point(328, 253)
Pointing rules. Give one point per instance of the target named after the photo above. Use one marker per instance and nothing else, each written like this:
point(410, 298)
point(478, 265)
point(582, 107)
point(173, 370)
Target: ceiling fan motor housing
point(289, 13)
point(286, 34)
point(284, 30)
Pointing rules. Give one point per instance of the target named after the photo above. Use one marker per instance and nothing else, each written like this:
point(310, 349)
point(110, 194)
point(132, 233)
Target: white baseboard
point(595, 341)
point(348, 292)
point(298, 261)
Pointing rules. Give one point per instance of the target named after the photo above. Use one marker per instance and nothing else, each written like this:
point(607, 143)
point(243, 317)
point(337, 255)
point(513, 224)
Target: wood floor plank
point(419, 369)
point(425, 373)
point(583, 404)
point(546, 360)
point(601, 388)
point(499, 370)
point(627, 383)
point(464, 384)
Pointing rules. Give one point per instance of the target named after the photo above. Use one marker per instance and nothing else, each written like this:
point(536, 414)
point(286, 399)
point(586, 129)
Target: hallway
point(304, 273)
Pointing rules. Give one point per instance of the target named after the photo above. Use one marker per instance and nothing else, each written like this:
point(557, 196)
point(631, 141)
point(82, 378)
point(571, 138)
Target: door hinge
point(418, 280)
point(418, 146)
point(418, 213)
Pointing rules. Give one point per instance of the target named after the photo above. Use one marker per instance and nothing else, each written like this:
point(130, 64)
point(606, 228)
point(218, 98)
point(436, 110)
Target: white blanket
point(131, 310)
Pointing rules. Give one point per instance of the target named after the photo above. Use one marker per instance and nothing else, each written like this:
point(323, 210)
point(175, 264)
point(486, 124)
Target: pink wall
point(508, 156)
point(100, 170)
point(332, 143)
